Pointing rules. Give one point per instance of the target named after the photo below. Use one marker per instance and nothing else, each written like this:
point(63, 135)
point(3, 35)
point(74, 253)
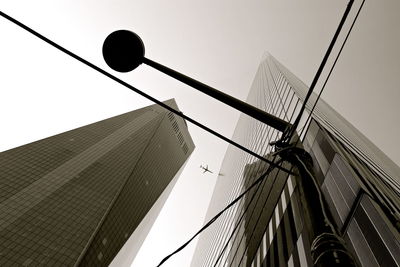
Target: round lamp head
point(123, 50)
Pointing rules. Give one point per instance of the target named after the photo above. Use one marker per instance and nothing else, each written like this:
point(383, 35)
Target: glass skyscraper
point(270, 225)
point(73, 199)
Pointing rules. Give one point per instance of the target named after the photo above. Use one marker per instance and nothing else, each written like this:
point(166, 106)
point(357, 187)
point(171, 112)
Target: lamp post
point(124, 51)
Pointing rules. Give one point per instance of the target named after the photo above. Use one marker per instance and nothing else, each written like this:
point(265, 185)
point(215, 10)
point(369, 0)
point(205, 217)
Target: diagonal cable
point(333, 66)
point(239, 223)
point(320, 68)
point(256, 182)
point(109, 75)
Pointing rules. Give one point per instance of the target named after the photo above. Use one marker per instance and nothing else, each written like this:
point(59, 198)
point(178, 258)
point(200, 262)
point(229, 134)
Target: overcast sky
point(44, 92)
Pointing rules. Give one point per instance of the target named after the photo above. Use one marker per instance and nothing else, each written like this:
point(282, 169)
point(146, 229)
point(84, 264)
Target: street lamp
point(124, 51)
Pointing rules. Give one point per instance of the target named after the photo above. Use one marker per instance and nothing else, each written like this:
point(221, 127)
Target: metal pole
point(124, 51)
point(235, 103)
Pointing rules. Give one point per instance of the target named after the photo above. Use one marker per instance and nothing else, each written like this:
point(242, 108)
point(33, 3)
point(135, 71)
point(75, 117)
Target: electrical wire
point(109, 75)
point(311, 112)
point(241, 218)
point(334, 230)
point(254, 168)
point(320, 69)
point(333, 66)
point(256, 182)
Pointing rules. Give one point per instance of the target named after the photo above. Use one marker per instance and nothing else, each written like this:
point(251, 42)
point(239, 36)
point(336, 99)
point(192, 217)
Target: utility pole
point(327, 247)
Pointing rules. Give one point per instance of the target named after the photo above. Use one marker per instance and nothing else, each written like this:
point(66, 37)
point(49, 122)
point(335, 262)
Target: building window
point(27, 262)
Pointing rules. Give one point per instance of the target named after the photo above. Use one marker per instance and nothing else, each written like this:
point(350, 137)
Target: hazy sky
point(44, 92)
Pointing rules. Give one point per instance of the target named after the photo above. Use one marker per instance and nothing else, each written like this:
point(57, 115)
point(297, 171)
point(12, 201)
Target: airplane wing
point(204, 170)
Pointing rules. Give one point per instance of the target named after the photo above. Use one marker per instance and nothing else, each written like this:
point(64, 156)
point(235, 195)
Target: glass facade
point(75, 198)
point(364, 221)
point(269, 227)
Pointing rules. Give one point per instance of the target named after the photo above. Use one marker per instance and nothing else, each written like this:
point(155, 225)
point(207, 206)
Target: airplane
point(205, 169)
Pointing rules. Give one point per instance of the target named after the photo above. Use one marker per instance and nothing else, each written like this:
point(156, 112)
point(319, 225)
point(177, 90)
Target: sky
point(44, 92)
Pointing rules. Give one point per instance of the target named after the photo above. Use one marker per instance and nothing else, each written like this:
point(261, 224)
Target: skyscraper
point(73, 199)
point(270, 226)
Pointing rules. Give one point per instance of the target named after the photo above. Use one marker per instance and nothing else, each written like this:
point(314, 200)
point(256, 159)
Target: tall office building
point(73, 199)
point(270, 226)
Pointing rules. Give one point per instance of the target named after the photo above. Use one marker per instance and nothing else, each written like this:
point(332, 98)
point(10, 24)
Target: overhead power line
point(256, 182)
point(333, 65)
point(109, 75)
point(320, 69)
point(241, 221)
